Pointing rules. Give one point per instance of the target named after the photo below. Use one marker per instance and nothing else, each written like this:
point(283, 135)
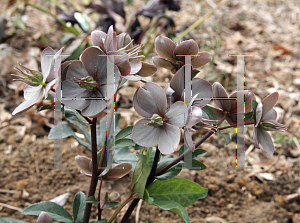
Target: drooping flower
point(160, 126)
point(169, 54)
point(39, 83)
point(265, 118)
point(227, 105)
point(200, 87)
point(115, 173)
point(86, 85)
point(125, 54)
point(44, 217)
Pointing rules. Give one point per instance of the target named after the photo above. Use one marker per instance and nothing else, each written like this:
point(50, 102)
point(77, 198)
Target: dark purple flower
point(200, 87)
point(265, 118)
point(115, 173)
point(85, 86)
point(126, 55)
point(39, 83)
point(168, 54)
point(229, 107)
point(160, 126)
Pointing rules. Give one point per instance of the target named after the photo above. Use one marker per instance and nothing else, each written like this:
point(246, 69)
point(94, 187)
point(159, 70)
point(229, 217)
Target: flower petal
point(123, 40)
point(141, 111)
point(56, 67)
point(132, 77)
point(188, 47)
point(121, 60)
point(194, 117)
point(85, 164)
point(248, 96)
point(110, 43)
point(202, 59)
point(145, 135)
point(259, 112)
point(159, 97)
point(169, 138)
point(204, 90)
point(269, 102)
point(266, 141)
point(177, 114)
point(98, 38)
point(147, 69)
point(177, 84)
point(220, 92)
point(271, 115)
point(118, 171)
point(95, 107)
point(255, 139)
point(47, 61)
point(218, 113)
point(165, 47)
point(188, 140)
point(136, 66)
point(48, 86)
point(161, 62)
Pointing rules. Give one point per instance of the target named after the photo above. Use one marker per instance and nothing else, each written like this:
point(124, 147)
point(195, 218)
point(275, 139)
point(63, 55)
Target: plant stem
point(99, 207)
point(94, 179)
point(234, 126)
point(69, 29)
point(150, 179)
point(120, 208)
point(199, 21)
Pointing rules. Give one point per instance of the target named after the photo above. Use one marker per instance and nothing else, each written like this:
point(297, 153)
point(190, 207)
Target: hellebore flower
point(115, 173)
point(265, 118)
point(86, 80)
point(159, 126)
point(121, 47)
point(200, 87)
point(39, 83)
point(44, 217)
point(168, 53)
point(229, 107)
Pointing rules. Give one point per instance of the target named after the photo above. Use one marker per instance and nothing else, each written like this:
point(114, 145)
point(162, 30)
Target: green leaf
point(248, 117)
point(110, 204)
point(226, 136)
point(179, 190)
point(66, 131)
point(79, 206)
point(140, 176)
point(101, 221)
point(171, 173)
point(10, 220)
point(196, 165)
point(209, 112)
point(123, 155)
point(72, 114)
point(19, 23)
point(195, 154)
point(147, 198)
point(57, 212)
point(254, 106)
point(91, 200)
point(44, 107)
point(50, 97)
point(138, 147)
point(174, 207)
point(124, 132)
point(124, 143)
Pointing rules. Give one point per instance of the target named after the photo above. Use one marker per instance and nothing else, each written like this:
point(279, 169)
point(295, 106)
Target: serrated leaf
point(10, 220)
point(209, 112)
point(79, 206)
point(124, 143)
point(140, 176)
point(171, 173)
point(174, 207)
point(226, 136)
point(110, 204)
point(44, 107)
point(179, 190)
point(91, 200)
point(124, 132)
point(57, 212)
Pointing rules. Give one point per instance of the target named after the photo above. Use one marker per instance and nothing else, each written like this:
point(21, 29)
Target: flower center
point(156, 121)
point(87, 83)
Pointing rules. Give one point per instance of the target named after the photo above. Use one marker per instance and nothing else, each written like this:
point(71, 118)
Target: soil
point(267, 29)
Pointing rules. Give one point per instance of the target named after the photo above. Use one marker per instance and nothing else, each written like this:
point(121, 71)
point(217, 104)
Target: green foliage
point(79, 206)
point(45, 107)
point(10, 220)
point(91, 200)
point(57, 212)
point(171, 173)
point(195, 154)
point(124, 132)
point(254, 106)
point(124, 143)
point(209, 112)
point(226, 136)
point(110, 204)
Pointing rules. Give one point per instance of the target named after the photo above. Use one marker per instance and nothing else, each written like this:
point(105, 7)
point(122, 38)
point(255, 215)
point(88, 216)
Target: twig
point(11, 207)
point(199, 21)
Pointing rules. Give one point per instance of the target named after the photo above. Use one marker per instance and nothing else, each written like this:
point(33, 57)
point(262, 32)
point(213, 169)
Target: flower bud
point(44, 218)
point(114, 196)
point(272, 125)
